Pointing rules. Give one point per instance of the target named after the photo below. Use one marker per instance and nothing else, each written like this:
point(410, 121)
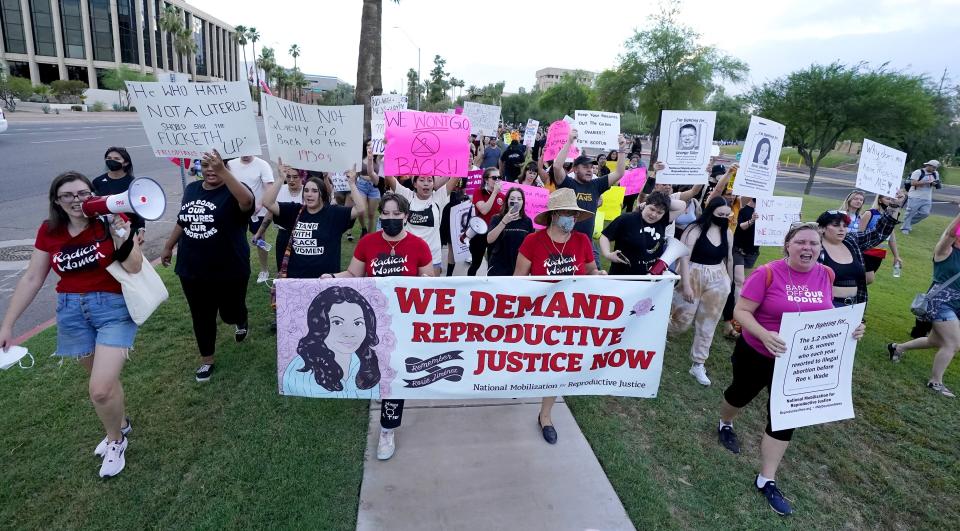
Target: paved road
point(36, 148)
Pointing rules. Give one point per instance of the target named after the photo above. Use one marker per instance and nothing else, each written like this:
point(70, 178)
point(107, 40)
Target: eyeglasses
point(67, 197)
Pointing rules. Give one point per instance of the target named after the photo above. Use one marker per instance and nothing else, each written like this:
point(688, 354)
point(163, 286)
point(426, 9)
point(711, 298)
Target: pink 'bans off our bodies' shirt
point(789, 291)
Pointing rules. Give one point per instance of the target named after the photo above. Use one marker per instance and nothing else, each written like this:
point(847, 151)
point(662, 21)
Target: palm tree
point(281, 82)
point(254, 36)
point(294, 52)
point(267, 62)
point(170, 22)
point(298, 82)
point(241, 36)
point(369, 82)
point(186, 46)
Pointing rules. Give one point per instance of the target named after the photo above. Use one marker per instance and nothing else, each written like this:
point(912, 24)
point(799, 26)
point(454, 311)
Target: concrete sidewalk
point(482, 464)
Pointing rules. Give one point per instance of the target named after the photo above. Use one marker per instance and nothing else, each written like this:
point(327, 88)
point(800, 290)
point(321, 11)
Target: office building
point(548, 77)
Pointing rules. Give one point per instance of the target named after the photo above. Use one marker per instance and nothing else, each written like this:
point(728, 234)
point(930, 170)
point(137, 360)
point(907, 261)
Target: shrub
point(98, 107)
point(45, 108)
point(68, 90)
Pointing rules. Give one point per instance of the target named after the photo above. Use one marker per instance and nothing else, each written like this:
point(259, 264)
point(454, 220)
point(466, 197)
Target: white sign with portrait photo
point(757, 174)
point(684, 148)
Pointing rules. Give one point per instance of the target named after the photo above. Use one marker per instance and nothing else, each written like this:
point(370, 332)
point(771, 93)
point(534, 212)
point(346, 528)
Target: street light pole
point(419, 78)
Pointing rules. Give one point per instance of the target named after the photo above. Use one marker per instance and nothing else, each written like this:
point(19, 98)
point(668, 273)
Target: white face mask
point(13, 356)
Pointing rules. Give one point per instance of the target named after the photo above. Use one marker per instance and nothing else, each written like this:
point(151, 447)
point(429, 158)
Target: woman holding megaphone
point(93, 324)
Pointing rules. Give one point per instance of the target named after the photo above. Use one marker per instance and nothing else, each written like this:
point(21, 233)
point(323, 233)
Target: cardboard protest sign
point(386, 102)
point(469, 337)
point(813, 379)
point(685, 140)
point(880, 169)
point(377, 130)
point(188, 119)
point(757, 174)
point(484, 119)
point(633, 180)
point(535, 200)
point(775, 215)
point(427, 143)
point(530, 132)
point(460, 215)
point(474, 180)
point(339, 182)
point(597, 130)
point(312, 137)
point(556, 137)
point(612, 203)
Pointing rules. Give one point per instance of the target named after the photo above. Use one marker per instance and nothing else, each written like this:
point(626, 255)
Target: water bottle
point(896, 270)
point(261, 243)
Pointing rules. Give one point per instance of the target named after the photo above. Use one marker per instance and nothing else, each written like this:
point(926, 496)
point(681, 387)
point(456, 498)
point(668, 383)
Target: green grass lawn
point(234, 454)
point(789, 156)
point(896, 466)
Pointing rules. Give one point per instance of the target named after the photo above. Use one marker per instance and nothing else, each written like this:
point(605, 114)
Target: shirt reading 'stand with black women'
point(314, 238)
point(214, 242)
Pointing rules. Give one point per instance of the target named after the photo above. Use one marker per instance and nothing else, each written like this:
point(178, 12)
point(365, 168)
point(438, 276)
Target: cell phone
point(624, 258)
point(515, 208)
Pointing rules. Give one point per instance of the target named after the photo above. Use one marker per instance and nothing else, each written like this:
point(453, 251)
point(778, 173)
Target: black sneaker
point(240, 332)
point(894, 355)
point(273, 327)
point(775, 499)
point(728, 439)
point(350, 236)
point(204, 372)
point(363, 232)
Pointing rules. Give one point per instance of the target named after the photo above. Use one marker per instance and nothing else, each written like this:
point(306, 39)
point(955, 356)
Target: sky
point(487, 43)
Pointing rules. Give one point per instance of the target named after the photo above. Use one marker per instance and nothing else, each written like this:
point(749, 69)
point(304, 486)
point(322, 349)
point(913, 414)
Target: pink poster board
point(536, 198)
point(474, 180)
point(426, 143)
point(633, 180)
point(556, 137)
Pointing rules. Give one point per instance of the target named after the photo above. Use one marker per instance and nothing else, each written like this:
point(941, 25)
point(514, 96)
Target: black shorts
point(752, 372)
point(871, 263)
point(746, 260)
point(254, 226)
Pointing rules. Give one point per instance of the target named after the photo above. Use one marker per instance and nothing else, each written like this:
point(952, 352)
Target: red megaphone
point(144, 198)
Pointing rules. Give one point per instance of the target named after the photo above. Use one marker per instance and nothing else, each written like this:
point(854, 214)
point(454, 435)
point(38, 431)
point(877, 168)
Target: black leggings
point(731, 302)
point(206, 298)
point(280, 246)
point(478, 247)
point(391, 413)
point(752, 372)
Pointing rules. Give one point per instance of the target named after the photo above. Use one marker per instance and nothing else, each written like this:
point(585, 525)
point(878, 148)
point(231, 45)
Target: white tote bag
point(143, 291)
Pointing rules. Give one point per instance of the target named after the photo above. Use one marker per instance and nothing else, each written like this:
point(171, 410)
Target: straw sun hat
point(561, 199)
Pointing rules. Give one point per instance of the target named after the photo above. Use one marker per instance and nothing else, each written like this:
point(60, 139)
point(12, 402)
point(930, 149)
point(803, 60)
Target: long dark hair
point(123, 155)
point(58, 217)
point(523, 197)
point(706, 218)
point(321, 186)
point(320, 359)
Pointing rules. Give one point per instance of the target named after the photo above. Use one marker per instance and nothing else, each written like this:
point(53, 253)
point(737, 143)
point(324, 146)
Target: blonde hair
point(797, 227)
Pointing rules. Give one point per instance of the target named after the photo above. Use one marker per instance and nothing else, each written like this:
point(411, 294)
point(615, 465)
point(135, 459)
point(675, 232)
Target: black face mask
point(114, 165)
point(720, 222)
point(391, 227)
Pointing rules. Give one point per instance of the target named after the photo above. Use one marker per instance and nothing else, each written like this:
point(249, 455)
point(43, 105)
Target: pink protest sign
point(535, 198)
point(633, 180)
point(474, 178)
point(556, 137)
point(426, 143)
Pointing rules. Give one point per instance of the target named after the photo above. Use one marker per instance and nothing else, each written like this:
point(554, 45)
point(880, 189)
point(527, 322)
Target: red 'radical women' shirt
point(81, 260)
point(548, 257)
point(392, 259)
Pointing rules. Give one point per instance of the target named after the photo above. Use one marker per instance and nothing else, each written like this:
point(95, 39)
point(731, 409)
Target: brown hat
point(561, 199)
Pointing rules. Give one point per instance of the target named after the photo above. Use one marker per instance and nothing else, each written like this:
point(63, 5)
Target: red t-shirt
point(392, 259)
point(480, 195)
point(81, 260)
point(548, 257)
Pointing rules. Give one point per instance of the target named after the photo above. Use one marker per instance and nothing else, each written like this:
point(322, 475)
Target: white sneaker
point(387, 445)
point(700, 373)
point(114, 460)
point(263, 277)
point(101, 449)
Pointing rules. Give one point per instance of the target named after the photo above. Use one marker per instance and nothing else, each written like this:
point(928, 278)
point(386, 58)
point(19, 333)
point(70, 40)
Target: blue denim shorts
point(367, 189)
point(85, 320)
point(946, 313)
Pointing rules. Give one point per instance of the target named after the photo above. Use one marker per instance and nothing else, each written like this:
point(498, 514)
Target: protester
point(369, 193)
point(641, 237)
point(872, 258)
point(457, 196)
point(256, 173)
point(506, 233)
point(920, 194)
point(291, 193)
point(766, 296)
point(511, 161)
point(530, 176)
point(704, 282)
point(93, 323)
point(426, 207)
point(391, 251)
point(213, 256)
point(745, 254)
point(852, 205)
point(117, 181)
point(490, 153)
point(487, 202)
point(557, 249)
point(602, 170)
point(842, 252)
point(944, 310)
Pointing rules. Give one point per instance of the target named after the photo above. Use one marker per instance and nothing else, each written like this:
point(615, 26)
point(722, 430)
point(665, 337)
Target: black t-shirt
point(743, 238)
point(641, 242)
point(512, 160)
point(502, 254)
point(315, 240)
point(538, 146)
point(214, 241)
point(588, 197)
point(104, 185)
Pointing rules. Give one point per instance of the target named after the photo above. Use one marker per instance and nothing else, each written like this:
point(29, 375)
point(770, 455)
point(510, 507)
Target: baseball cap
point(583, 159)
point(717, 170)
point(933, 162)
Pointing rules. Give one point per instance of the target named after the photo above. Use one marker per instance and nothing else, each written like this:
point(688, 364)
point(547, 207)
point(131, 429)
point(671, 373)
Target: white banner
point(684, 148)
point(757, 174)
point(774, 216)
point(597, 130)
point(471, 337)
point(812, 380)
point(530, 132)
point(484, 119)
point(881, 168)
point(460, 215)
point(187, 119)
point(313, 137)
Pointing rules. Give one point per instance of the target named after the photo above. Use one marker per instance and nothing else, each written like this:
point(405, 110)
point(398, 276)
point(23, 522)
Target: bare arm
point(558, 174)
point(270, 196)
point(426, 271)
point(943, 247)
point(359, 202)
point(484, 206)
point(622, 157)
point(167, 254)
point(677, 208)
point(26, 290)
point(372, 169)
point(354, 270)
point(522, 268)
point(691, 193)
point(240, 192)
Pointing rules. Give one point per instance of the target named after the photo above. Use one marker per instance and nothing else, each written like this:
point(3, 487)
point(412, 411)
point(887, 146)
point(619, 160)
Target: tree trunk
point(369, 82)
point(812, 167)
point(256, 70)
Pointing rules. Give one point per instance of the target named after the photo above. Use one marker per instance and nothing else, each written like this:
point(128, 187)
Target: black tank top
point(847, 275)
point(706, 253)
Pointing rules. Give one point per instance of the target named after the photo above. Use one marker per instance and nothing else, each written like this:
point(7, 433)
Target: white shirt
point(286, 197)
point(424, 220)
point(925, 192)
point(256, 175)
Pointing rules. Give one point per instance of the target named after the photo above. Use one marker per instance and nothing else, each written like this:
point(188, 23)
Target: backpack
point(936, 180)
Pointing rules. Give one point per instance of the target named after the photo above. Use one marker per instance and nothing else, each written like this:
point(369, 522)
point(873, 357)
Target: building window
point(147, 38)
point(71, 22)
point(127, 24)
point(199, 38)
point(101, 74)
point(78, 73)
point(48, 73)
point(43, 41)
point(19, 69)
point(102, 30)
point(11, 19)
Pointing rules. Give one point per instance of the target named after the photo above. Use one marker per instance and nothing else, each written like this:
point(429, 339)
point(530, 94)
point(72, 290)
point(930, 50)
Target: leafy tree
point(241, 37)
point(13, 88)
point(436, 90)
point(733, 120)
point(413, 86)
point(342, 94)
point(294, 52)
point(68, 90)
point(253, 36)
point(116, 80)
point(823, 104)
point(490, 94)
point(299, 82)
point(941, 141)
point(268, 63)
point(568, 95)
point(612, 92)
point(173, 22)
point(518, 108)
